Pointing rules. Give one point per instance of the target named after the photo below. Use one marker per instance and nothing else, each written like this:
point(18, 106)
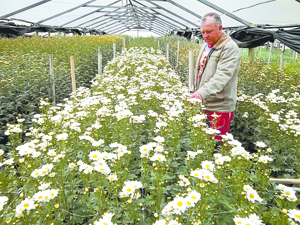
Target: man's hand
point(196, 95)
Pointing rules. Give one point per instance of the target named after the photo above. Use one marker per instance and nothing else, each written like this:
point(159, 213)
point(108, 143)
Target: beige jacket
point(218, 82)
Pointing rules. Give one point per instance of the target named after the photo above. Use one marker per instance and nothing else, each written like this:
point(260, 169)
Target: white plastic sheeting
point(158, 16)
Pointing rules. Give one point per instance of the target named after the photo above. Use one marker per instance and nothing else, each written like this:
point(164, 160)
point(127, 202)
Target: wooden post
point(37, 33)
point(99, 61)
point(48, 34)
point(167, 52)
point(296, 55)
point(251, 53)
point(282, 57)
point(191, 69)
point(114, 50)
point(177, 53)
point(52, 78)
point(73, 73)
point(124, 43)
point(285, 181)
point(270, 53)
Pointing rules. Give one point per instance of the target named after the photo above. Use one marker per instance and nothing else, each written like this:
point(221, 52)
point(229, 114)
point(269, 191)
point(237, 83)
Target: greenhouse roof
point(156, 16)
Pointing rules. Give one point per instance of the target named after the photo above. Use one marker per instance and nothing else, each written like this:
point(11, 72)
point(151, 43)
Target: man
point(215, 80)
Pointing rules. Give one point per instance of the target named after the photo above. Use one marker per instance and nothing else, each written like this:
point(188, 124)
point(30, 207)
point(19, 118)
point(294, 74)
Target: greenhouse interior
point(150, 112)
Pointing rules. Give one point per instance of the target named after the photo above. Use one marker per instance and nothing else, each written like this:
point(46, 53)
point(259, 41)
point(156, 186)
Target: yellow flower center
point(288, 193)
point(40, 197)
point(251, 195)
point(193, 197)
point(129, 189)
point(101, 169)
point(26, 205)
point(207, 177)
point(297, 216)
point(189, 203)
point(196, 175)
point(44, 172)
point(207, 166)
point(159, 158)
point(94, 156)
point(179, 203)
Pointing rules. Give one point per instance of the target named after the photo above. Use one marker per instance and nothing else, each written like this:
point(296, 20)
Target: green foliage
point(257, 78)
point(136, 121)
point(25, 74)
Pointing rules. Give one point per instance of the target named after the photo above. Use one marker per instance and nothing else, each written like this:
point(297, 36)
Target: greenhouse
point(150, 112)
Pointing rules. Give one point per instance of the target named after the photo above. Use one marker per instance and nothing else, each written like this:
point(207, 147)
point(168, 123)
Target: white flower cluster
point(290, 121)
point(238, 150)
point(287, 192)
point(180, 204)
point(3, 201)
point(294, 214)
point(165, 222)
point(105, 220)
point(252, 219)
point(45, 196)
point(43, 171)
point(206, 172)
point(265, 159)
point(183, 182)
point(192, 155)
point(199, 120)
point(130, 189)
point(220, 159)
point(252, 194)
point(157, 147)
point(26, 204)
point(13, 128)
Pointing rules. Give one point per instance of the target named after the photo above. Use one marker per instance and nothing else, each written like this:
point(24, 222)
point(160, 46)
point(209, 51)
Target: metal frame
point(226, 13)
point(173, 13)
point(24, 9)
point(67, 11)
point(132, 15)
point(89, 13)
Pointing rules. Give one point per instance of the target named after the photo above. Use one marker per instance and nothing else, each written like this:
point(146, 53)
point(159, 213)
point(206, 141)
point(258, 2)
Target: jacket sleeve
point(226, 67)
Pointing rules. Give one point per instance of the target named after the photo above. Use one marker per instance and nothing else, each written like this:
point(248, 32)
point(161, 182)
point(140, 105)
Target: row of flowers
point(134, 149)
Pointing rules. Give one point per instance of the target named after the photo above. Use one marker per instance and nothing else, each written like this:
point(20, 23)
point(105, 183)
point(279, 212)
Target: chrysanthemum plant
point(135, 150)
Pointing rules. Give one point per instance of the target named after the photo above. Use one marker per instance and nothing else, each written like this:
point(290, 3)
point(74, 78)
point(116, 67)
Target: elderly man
point(215, 80)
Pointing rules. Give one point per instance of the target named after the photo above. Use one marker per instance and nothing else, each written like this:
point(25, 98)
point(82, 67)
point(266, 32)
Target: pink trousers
point(219, 121)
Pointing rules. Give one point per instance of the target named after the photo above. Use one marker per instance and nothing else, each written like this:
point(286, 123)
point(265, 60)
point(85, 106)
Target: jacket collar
point(222, 41)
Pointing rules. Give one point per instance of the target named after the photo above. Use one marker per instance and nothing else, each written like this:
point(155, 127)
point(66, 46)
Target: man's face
point(211, 33)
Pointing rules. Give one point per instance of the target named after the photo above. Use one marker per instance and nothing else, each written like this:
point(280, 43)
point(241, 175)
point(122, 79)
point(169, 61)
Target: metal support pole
point(124, 43)
point(99, 62)
point(282, 57)
point(52, 78)
point(270, 53)
point(167, 52)
point(251, 53)
point(177, 54)
point(114, 50)
point(191, 69)
point(73, 74)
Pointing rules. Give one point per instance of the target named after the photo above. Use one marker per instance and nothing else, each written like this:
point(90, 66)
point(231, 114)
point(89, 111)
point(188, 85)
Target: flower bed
point(25, 71)
point(134, 150)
